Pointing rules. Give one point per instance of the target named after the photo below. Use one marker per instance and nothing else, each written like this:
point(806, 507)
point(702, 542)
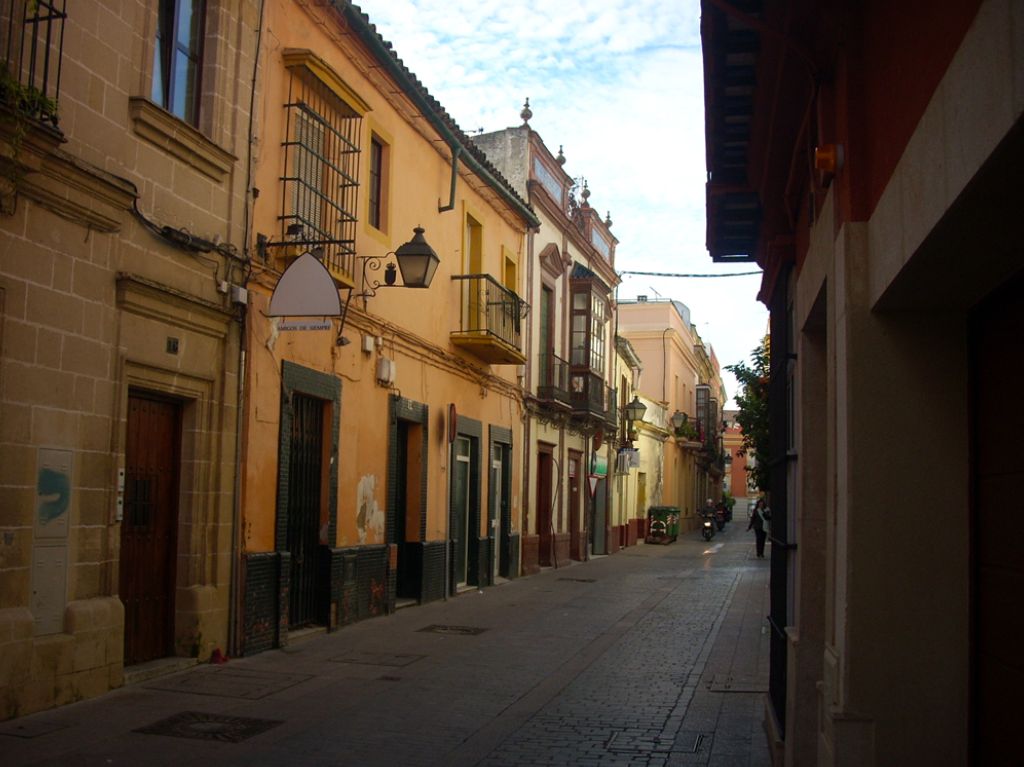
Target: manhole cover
point(579, 580)
point(459, 630)
point(248, 684)
point(203, 726)
point(30, 729)
point(396, 660)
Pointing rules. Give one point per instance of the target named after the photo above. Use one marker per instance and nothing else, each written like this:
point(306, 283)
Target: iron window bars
point(32, 55)
point(321, 173)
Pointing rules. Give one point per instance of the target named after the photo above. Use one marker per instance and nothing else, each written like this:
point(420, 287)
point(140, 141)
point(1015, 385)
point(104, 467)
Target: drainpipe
point(664, 366)
point(456, 151)
point(235, 585)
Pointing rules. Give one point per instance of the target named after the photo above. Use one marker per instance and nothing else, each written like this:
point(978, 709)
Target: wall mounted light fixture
point(307, 289)
point(417, 263)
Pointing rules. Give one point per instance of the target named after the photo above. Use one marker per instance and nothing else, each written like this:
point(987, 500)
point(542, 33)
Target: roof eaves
point(434, 112)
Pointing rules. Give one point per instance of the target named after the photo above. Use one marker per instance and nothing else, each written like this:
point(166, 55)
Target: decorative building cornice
point(179, 139)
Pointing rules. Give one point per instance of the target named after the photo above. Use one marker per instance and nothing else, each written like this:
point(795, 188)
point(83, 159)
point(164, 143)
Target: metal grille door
point(305, 490)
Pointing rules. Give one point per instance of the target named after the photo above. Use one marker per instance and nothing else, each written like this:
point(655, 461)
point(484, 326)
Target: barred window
point(376, 198)
point(321, 175)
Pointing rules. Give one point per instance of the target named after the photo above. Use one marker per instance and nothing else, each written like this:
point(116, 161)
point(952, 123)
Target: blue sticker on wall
point(53, 489)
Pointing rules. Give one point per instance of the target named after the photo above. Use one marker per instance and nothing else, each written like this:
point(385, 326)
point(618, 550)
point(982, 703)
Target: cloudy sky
point(619, 86)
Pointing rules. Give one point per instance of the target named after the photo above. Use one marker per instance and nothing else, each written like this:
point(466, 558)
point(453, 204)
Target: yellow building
point(682, 374)
point(643, 430)
point(121, 228)
point(381, 451)
point(569, 376)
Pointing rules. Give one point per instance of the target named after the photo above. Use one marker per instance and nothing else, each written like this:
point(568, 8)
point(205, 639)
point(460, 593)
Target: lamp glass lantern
point(417, 261)
point(635, 410)
point(678, 419)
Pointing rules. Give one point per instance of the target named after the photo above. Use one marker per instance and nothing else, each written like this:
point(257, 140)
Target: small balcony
point(553, 380)
point(491, 320)
point(611, 415)
point(31, 51)
point(591, 396)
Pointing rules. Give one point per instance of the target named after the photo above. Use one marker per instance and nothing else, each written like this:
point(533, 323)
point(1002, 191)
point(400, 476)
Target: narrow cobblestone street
point(654, 656)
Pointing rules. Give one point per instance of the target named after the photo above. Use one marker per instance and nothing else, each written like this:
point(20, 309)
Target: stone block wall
point(83, 661)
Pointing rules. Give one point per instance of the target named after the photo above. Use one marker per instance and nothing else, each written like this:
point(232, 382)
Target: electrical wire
point(676, 274)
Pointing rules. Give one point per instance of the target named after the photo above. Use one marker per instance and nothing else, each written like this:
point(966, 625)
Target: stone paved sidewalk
point(654, 656)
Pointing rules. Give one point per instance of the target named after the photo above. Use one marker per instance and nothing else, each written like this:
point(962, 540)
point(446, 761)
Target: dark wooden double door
point(997, 572)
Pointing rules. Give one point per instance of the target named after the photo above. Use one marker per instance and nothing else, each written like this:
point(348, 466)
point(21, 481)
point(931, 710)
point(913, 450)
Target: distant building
point(736, 480)
point(571, 401)
point(682, 374)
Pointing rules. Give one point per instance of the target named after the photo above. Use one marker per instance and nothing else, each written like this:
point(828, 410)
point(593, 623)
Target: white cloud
point(619, 85)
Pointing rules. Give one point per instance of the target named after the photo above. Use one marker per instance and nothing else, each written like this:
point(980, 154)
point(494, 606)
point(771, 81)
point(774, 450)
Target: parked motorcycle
point(708, 529)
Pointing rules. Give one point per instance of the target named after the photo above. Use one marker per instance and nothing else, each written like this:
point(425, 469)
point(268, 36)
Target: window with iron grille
point(703, 410)
point(31, 54)
point(321, 174)
point(375, 207)
point(178, 57)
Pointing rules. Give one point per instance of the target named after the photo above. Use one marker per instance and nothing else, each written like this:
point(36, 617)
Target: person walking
point(757, 524)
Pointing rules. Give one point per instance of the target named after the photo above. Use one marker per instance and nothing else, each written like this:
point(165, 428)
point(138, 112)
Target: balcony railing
point(611, 416)
point(491, 320)
point(592, 396)
point(31, 49)
point(553, 379)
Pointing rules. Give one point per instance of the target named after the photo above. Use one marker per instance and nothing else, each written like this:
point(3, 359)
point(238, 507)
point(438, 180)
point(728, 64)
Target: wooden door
point(460, 511)
point(305, 500)
point(997, 577)
point(545, 459)
point(576, 543)
point(496, 486)
point(149, 527)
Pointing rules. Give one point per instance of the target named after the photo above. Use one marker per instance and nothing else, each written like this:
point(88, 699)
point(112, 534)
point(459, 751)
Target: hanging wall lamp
point(307, 289)
point(635, 410)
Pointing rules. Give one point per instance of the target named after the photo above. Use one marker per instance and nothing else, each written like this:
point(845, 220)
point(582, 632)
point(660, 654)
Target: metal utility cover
point(456, 630)
point(202, 726)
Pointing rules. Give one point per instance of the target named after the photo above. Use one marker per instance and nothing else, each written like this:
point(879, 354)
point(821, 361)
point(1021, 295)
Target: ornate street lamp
point(635, 410)
point(417, 261)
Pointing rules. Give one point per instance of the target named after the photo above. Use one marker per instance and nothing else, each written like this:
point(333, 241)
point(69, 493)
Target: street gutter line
point(489, 737)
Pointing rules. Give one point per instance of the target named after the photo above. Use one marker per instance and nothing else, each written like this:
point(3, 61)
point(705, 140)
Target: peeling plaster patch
point(370, 519)
point(275, 323)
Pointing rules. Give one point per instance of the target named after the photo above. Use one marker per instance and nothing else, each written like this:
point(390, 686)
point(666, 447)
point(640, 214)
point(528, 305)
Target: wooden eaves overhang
point(730, 53)
point(765, 62)
point(461, 148)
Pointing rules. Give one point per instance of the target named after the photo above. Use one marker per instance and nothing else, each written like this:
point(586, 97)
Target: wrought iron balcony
point(611, 415)
point(491, 320)
point(591, 396)
point(31, 49)
point(553, 380)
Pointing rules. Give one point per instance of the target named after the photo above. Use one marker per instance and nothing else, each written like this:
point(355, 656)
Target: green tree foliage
point(753, 411)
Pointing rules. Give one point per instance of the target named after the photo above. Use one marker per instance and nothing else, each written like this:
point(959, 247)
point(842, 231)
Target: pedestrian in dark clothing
point(757, 520)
